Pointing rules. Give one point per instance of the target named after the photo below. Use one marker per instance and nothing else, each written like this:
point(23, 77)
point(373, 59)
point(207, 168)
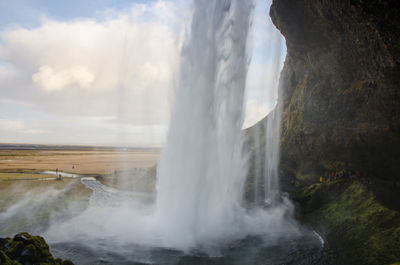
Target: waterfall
point(201, 172)
point(264, 136)
point(271, 163)
point(198, 204)
point(272, 127)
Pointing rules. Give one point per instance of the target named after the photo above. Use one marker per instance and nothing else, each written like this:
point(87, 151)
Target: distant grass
point(17, 176)
point(18, 170)
point(74, 161)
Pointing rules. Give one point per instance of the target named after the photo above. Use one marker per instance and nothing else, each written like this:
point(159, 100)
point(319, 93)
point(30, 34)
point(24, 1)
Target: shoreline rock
point(26, 249)
point(350, 215)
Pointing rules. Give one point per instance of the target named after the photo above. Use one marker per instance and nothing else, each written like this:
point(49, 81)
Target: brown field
point(84, 161)
point(18, 167)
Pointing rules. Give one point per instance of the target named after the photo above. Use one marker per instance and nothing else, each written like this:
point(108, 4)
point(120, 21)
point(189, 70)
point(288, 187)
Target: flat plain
point(19, 169)
point(75, 161)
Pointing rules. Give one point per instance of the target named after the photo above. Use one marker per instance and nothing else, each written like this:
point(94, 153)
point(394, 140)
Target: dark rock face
point(340, 86)
point(340, 96)
point(26, 249)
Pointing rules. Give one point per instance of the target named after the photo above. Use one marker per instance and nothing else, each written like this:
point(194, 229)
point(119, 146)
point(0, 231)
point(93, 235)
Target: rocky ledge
point(25, 249)
point(356, 218)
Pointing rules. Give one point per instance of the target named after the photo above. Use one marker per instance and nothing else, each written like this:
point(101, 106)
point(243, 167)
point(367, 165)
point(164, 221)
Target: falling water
point(271, 163)
point(199, 195)
point(272, 129)
point(201, 172)
point(265, 135)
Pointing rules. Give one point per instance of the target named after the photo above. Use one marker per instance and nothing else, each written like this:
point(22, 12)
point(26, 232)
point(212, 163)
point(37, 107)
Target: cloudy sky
point(102, 71)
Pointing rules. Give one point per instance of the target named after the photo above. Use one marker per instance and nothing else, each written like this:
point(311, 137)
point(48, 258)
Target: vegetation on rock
point(353, 220)
point(26, 249)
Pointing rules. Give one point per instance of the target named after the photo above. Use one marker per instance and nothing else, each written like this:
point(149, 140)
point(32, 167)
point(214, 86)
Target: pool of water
point(33, 215)
point(306, 249)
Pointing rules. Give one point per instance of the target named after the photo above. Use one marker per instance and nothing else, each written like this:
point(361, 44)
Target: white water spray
point(201, 172)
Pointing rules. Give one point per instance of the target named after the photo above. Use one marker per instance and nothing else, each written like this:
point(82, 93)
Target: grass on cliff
point(360, 227)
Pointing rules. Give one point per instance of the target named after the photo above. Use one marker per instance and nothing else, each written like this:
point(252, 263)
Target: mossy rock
point(353, 220)
point(5, 260)
point(27, 249)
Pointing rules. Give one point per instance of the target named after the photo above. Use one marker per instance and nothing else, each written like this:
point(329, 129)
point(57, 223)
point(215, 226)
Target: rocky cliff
point(340, 99)
point(340, 87)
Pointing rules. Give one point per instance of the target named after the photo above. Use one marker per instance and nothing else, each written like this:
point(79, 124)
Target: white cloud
point(50, 80)
point(18, 127)
point(11, 125)
point(35, 131)
point(93, 67)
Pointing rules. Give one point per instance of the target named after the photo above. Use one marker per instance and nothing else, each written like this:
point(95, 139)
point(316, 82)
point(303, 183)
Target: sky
point(102, 72)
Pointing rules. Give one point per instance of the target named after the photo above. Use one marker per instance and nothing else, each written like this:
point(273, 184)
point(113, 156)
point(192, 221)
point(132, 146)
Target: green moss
point(5, 260)
point(25, 248)
point(306, 178)
point(361, 228)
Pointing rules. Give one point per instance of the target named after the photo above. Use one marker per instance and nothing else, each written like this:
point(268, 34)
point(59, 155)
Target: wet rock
point(350, 217)
point(26, 249)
